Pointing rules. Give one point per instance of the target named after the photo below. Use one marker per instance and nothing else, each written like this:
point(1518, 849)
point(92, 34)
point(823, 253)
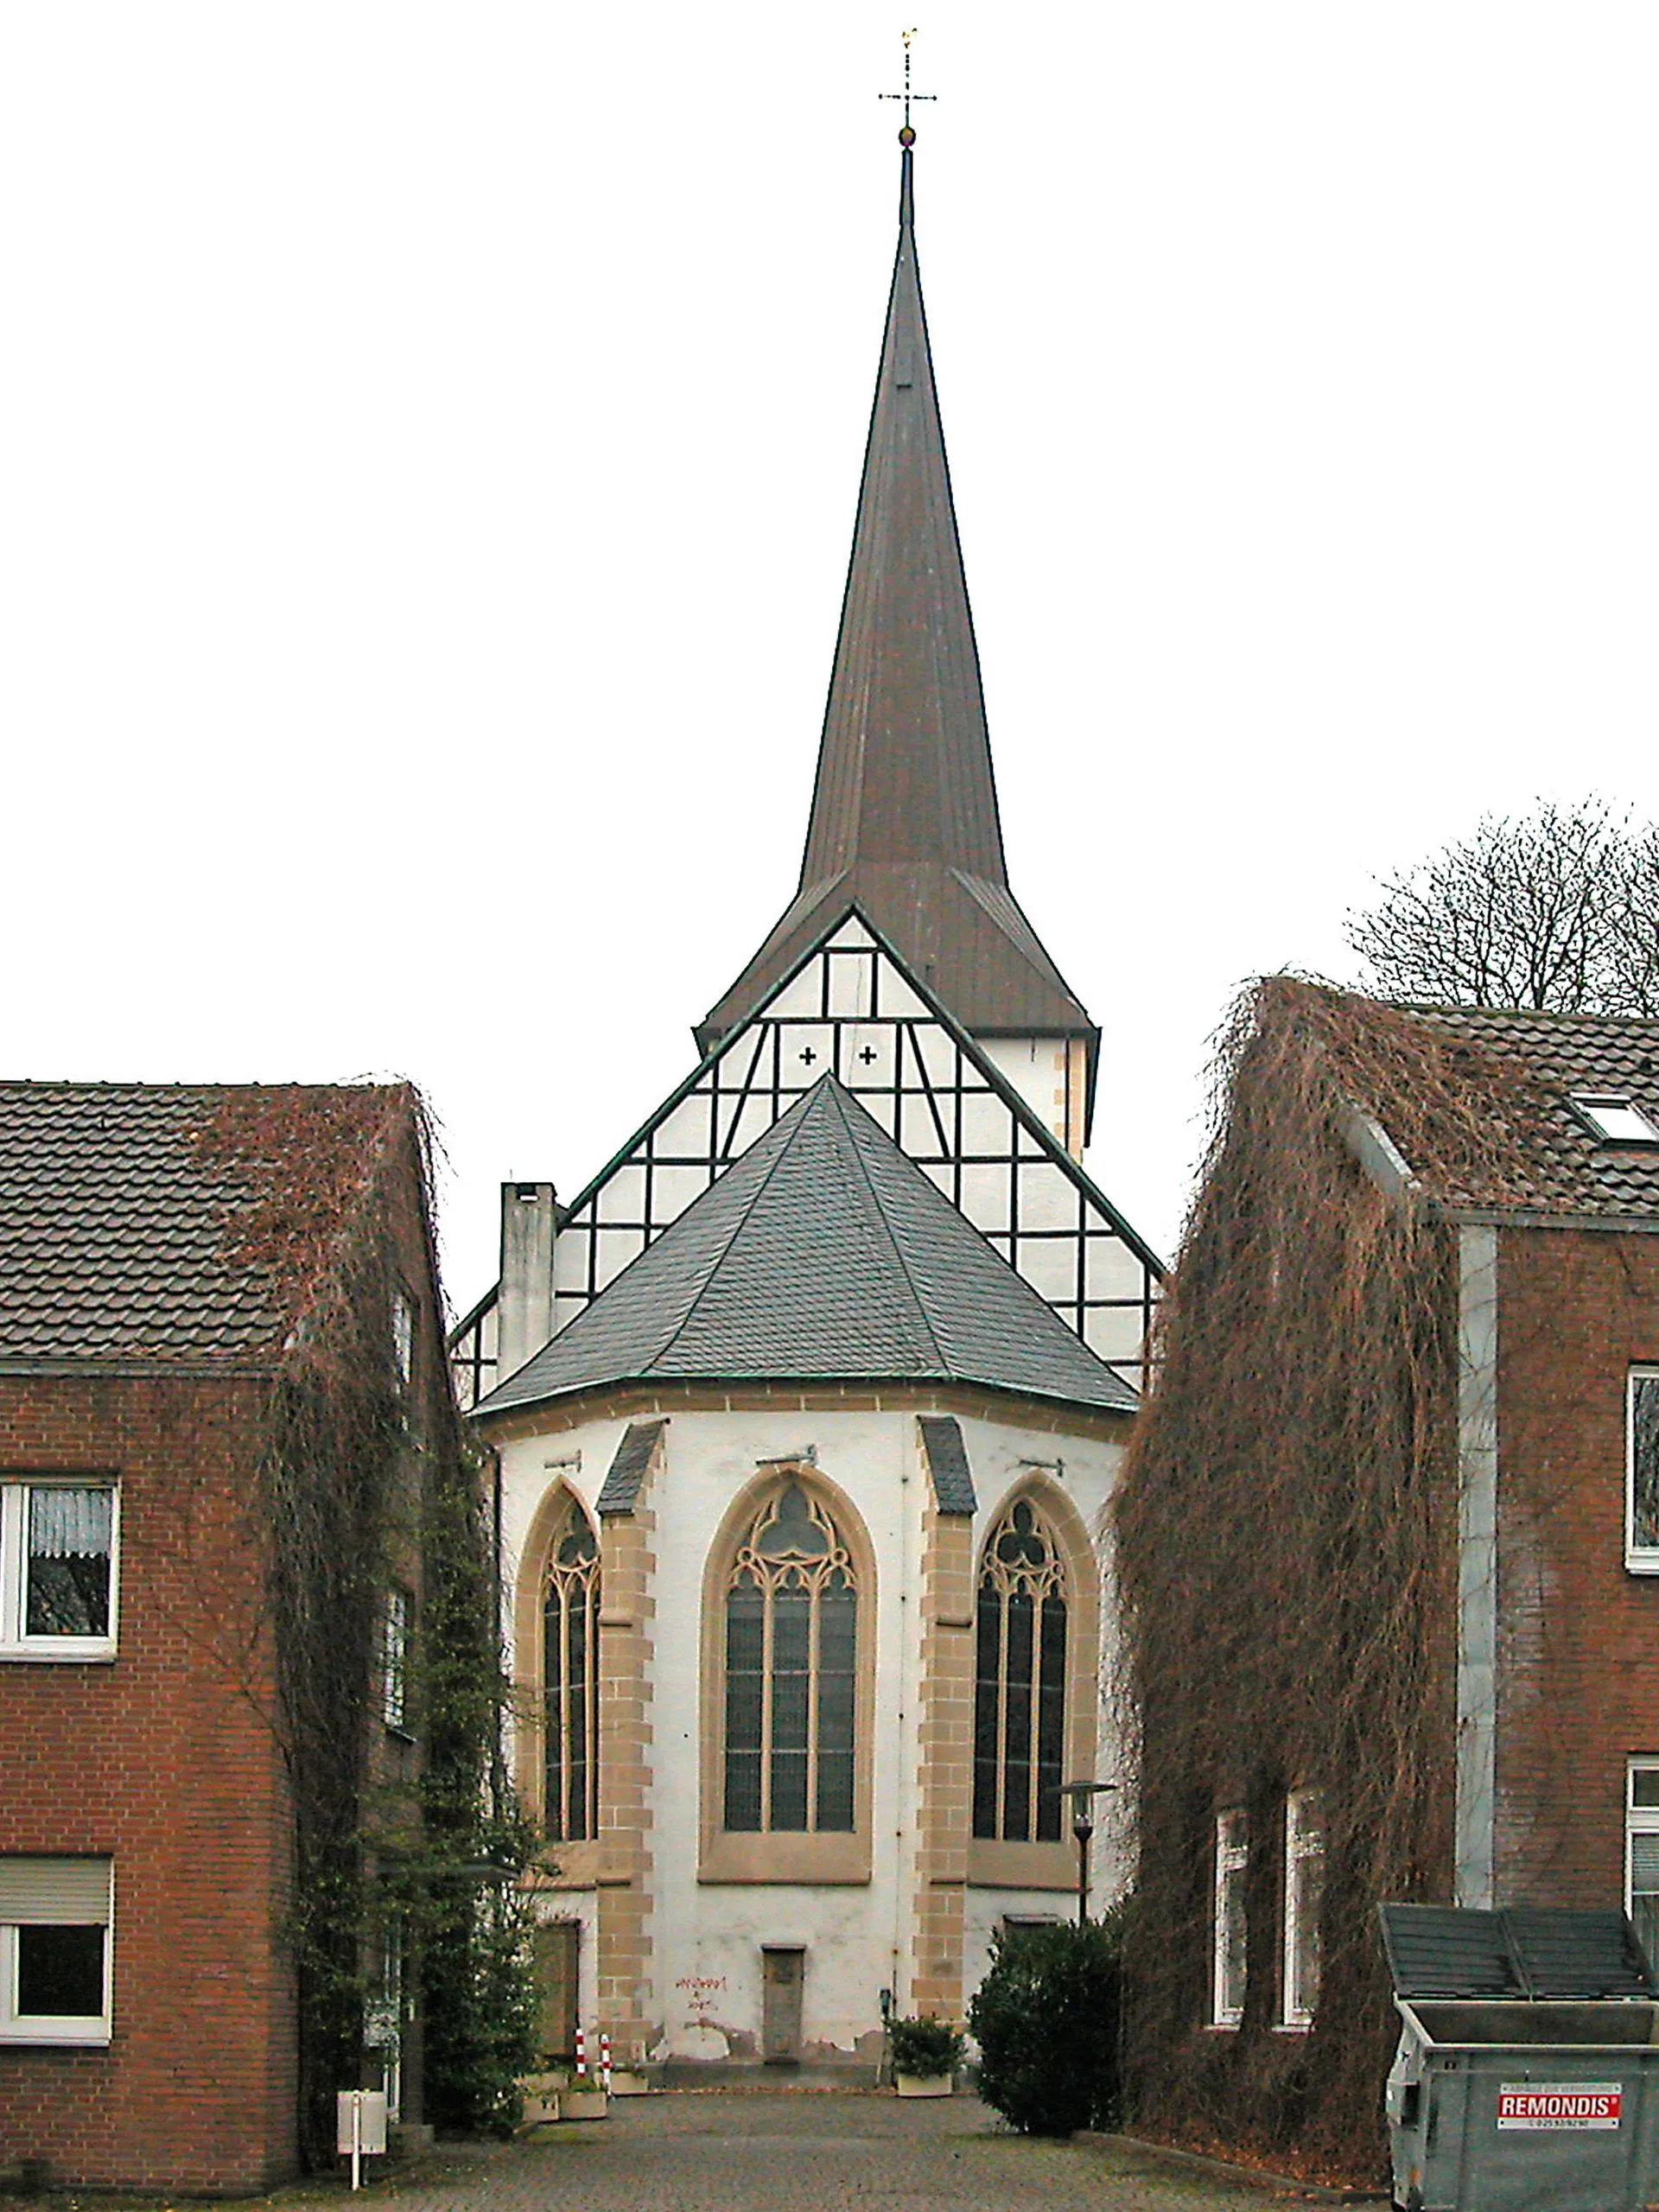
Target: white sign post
point(361, 2127)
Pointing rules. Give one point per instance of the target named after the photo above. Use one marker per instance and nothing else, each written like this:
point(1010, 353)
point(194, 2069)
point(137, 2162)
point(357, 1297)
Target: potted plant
point(539, 2093)
point(584, 2098)
point(925, 2055)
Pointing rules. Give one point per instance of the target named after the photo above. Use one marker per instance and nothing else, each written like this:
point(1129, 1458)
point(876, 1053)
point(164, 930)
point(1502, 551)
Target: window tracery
point(1020, 1625)
point(791, 1645)
point(570, 1682)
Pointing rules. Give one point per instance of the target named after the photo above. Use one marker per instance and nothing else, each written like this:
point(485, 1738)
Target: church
point(806, 1411)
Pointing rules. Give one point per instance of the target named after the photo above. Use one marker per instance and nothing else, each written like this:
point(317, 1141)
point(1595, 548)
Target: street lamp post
point(1082, 1828)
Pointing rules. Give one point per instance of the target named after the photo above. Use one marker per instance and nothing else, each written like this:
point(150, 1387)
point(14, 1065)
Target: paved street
point(814, 2153)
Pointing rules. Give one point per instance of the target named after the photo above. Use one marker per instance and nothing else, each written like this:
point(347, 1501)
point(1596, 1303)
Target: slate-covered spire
point(904, 821)
point(905, 766)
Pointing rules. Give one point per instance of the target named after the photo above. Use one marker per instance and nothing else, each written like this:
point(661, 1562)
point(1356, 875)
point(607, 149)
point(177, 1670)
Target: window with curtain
point(57, 1568)
point(570, 1682)
point(1020, 1681)
point(790, 1647)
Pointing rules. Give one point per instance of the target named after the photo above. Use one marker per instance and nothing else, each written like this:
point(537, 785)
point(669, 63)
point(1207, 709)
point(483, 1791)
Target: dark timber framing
point(933, 1091)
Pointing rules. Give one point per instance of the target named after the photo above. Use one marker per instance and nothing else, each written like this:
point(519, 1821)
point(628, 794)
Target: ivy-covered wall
point(1287, 1548)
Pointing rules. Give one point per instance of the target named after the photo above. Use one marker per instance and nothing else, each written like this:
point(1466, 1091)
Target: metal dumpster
point(1527, 2077)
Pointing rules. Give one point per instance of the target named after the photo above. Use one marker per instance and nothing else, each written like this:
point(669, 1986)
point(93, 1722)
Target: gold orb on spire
point(908, 136)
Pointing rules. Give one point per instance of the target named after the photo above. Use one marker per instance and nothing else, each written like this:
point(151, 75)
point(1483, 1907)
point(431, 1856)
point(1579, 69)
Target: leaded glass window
point(791, 1649)
point(1020, 1681)
point(570, 1682)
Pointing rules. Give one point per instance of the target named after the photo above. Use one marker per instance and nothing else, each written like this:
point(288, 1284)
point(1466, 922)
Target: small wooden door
point(559, 1954)
point(780, 2016)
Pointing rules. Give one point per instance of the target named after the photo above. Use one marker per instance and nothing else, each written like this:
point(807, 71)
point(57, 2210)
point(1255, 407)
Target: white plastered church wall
point(708, 1939)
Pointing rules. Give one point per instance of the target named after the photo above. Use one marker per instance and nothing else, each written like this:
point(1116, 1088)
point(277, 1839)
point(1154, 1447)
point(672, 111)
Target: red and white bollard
point(582, 2055)
point(605, 2062)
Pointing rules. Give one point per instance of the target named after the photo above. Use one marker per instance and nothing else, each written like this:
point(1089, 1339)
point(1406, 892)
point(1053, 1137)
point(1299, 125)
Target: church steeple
point(904, 822)
point(904, 769)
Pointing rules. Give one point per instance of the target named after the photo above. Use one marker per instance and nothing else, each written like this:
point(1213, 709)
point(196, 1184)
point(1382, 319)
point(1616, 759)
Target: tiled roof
point(120, 1206)
point(824, 1253)
point(1548, 1160)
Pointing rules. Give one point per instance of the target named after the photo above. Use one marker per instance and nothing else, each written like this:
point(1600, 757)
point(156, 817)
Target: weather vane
point(907, 137)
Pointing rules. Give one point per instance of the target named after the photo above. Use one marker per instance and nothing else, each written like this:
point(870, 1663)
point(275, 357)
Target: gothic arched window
point(792, 1615)
point(1020, 1680)
point(570, 1682)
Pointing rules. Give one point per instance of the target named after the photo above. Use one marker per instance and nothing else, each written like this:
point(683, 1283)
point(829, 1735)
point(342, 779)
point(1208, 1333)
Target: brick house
point(1389, 1535)
point(177, 1266)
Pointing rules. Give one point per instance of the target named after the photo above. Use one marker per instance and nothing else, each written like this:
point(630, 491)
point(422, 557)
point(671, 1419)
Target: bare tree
point(1556, 908)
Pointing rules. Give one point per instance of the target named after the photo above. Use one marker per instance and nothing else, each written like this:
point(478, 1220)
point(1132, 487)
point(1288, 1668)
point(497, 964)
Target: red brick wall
point(166, 1760)
point(1578, 1636)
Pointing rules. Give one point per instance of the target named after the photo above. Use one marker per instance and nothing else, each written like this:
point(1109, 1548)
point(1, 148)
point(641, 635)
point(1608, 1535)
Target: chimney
point(525, 1310)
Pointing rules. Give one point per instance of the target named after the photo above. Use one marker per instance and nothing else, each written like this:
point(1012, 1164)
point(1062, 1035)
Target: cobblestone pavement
point(830, 2151)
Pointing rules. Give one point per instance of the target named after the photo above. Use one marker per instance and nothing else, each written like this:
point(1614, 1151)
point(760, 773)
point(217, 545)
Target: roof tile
point(120, 1218)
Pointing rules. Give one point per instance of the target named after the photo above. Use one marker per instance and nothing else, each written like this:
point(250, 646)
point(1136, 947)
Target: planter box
point(922, 2085)
point(583, 2104)
point(628, 2082)
point(541, 2096)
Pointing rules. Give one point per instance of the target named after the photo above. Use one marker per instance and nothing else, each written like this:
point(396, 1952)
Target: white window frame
point(402, 1338)
point(1639, 1559)
point(1232, 1859)
point(88, 2030)
point(1304, 1840)
point(1595, 1105)
point(383, 2016)
point(1639, 1819)
point(394, 1659)
point(14, 1645)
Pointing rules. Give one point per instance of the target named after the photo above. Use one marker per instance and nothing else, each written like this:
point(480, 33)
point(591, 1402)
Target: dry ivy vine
point(359, 1483)
point(1287, 1546)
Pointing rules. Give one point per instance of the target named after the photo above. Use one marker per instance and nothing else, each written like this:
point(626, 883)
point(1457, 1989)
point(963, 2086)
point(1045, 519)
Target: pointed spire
point(904, 822)
point(904, 767)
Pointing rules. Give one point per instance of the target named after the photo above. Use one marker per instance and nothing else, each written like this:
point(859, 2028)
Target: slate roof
point(627, 1474)
point(904, 822)
point(822, 1254)
point(1548, 1158)
point(118, 1219)
point(948, 1470)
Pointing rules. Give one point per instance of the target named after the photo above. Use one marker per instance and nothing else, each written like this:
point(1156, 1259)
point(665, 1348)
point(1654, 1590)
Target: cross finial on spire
point(906, 136)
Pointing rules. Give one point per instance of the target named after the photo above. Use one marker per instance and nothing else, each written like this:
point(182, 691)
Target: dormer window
point(1614, 1118)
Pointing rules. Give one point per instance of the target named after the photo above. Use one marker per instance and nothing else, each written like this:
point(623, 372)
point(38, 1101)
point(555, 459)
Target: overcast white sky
point(428, 438)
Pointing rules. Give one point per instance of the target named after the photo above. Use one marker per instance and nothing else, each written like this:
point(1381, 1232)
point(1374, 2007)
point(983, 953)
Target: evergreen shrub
point(1046, 2019)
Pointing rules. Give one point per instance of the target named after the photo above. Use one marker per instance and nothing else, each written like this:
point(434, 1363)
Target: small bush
point(1046, 2018)
point(924, 2046)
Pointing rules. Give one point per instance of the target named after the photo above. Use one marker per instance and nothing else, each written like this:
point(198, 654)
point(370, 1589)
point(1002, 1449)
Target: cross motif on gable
point(868, 1055)
point(807, 1056)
